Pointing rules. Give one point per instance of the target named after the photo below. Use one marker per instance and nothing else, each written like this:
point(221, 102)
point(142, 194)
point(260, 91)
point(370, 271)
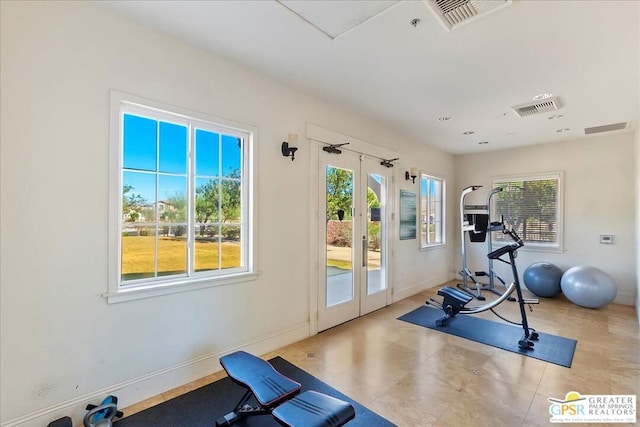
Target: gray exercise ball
point(543, 279)
point(588, 286)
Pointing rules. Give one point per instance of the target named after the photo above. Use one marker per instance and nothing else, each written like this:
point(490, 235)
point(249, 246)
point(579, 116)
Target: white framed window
point(532, 205)
point(180, 200)
point(432, 211)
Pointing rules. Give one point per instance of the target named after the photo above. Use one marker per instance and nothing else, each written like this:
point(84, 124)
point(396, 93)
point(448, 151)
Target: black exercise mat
point(203, 406)
point(549, 348)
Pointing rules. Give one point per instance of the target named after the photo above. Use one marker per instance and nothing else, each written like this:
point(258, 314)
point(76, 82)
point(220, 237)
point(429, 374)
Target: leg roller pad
point(313, 409)
point(453, 301)
point(455, 298)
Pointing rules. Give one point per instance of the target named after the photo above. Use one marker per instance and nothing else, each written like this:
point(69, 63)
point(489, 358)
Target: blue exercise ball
point(543, 279)
point(588, 286)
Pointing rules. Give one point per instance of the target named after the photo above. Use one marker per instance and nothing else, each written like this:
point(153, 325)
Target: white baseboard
point(403, 293)
point(624, 299)
point(138, 389)
point(400, 294)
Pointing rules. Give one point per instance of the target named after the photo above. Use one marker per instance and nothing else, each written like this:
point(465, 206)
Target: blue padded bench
point(313, 409)
point(274, 394)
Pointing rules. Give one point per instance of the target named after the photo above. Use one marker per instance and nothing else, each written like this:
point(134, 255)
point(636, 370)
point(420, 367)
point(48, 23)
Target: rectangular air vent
point(537, 107)
point(606, 128)
point(453, 13)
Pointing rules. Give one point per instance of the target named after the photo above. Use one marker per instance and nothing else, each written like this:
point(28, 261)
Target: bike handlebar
point(517, 244)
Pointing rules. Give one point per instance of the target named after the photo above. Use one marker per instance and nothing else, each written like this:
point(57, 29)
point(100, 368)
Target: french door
point(353, 236)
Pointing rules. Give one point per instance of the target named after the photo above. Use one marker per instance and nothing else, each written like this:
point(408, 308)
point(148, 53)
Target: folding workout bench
point(274, 394)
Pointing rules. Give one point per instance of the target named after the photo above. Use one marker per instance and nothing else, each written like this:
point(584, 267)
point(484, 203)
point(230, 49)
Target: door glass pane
point(339, 234)
point(376, 195)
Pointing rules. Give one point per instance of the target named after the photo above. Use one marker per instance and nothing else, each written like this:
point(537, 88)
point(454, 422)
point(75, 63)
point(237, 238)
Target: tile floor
point(414, 376)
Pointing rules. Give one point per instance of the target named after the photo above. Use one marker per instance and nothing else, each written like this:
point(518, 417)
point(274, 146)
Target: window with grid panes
point(183, 204)
point(432, 211)
point(532, 205)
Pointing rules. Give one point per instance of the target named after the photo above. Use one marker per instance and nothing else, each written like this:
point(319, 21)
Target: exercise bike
point(455, 301)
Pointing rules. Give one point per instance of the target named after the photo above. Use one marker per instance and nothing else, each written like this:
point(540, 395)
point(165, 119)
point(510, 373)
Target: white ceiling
point(366, 56)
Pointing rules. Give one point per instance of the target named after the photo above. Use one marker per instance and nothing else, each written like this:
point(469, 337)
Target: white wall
point(637, 180)
point(414, 271)
point(62, 344)
point(599, 199)
point(637, 157)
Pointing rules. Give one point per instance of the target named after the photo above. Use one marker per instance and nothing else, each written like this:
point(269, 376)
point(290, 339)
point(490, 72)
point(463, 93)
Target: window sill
point(434, 246)
point(168, 288)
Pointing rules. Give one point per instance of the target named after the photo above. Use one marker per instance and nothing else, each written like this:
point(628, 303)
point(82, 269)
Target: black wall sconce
point(411, 175)
point(289, 147)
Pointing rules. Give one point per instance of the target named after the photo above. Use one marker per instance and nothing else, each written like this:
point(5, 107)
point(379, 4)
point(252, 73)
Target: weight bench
point(274, 394)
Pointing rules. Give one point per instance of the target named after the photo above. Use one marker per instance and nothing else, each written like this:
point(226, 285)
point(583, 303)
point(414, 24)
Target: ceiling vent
point(606, 128)
point(537, 107)
point(454, 13)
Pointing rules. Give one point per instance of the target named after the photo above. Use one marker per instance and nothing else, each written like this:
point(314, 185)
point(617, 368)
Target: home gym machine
point(475, 219)
point(491, 273)
point(455, 301)
point(476, 225)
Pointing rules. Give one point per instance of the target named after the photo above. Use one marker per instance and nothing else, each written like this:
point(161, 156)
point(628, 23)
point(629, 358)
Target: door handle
point(364, 251)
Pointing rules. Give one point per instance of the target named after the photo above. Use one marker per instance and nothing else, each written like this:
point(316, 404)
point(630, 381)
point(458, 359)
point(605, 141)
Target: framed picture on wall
point(407, 215)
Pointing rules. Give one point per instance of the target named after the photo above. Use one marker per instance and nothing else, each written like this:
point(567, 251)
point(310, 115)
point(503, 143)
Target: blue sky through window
point(206, 153)
point(231, 155)
point(433, 186)
point(173, 148)
point(153, 148)
point(139, 143)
